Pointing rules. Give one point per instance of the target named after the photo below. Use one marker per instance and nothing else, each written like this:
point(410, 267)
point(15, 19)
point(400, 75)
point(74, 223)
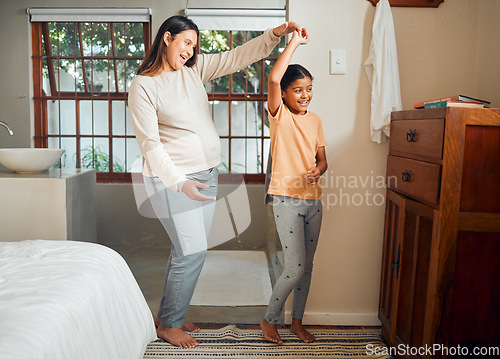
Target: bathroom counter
point(58, 204)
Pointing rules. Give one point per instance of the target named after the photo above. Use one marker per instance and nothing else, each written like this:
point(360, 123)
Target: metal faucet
point(7, 127)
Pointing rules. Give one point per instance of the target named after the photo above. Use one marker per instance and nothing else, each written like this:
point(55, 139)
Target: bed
point(70, 300)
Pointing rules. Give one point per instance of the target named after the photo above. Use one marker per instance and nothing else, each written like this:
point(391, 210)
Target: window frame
point(261, 97)
point(41, 134)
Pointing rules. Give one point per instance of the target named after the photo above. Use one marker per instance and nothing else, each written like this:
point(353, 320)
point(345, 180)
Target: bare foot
point(190, 327)
point(298, 329)
point(270, 332)
point(176, 336)
point(186, 326)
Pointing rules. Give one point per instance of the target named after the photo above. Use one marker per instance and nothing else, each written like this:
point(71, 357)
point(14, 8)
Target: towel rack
point(411, 3)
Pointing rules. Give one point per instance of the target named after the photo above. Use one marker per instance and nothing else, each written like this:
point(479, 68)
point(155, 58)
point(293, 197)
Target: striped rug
point(232, 342)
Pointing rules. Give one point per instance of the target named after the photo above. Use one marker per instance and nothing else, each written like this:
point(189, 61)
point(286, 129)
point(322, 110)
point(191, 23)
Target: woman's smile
point(180, 48)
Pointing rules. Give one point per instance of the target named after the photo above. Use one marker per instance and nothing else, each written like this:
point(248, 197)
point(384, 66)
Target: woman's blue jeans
point(187, 223)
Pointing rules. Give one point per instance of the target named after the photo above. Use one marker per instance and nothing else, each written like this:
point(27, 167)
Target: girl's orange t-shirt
point(295, 140)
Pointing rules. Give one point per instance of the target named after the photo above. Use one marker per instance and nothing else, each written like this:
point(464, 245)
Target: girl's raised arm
point(279, 68)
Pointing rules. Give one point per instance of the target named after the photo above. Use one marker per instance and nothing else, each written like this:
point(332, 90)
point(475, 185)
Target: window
point(239, 106)
point(81, 72)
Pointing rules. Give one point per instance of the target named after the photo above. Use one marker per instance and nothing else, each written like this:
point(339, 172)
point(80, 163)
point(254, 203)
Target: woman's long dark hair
point(157, 54)
point(292, 73)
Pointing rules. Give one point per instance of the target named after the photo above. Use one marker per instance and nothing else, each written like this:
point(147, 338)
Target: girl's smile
point(298, 95)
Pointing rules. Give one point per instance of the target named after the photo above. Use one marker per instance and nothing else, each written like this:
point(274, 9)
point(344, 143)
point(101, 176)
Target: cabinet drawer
point(418, 137)
point(416, 179)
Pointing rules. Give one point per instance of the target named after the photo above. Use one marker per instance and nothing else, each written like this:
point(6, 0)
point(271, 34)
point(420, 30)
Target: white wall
point(448, 50)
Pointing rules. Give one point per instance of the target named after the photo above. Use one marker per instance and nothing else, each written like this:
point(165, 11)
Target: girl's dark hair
point(292, 73)
point(157, 54)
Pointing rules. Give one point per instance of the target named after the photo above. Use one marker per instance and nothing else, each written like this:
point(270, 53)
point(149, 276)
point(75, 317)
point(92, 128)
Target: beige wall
point(448, 50)
point(442, 51)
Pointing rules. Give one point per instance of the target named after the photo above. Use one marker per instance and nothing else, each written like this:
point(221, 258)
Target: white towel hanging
point(383, 73)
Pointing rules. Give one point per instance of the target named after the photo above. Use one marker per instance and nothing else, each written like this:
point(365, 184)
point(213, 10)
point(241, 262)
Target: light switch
point(337, 62)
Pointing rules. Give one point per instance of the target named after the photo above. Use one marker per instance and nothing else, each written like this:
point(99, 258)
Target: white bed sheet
point(70, 300)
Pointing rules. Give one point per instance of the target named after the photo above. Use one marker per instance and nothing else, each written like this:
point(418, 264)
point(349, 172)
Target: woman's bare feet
point(186, 326)
point(176, 336)
point(270, 332)
point(190, 327)
point(298, 329)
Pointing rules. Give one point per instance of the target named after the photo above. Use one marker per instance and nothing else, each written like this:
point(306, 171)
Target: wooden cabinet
point(440, 282)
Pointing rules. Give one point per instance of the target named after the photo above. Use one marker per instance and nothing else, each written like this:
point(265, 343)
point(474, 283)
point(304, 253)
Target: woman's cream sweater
point(171, 117)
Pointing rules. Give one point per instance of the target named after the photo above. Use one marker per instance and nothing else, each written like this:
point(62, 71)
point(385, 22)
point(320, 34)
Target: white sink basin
point(26, 160)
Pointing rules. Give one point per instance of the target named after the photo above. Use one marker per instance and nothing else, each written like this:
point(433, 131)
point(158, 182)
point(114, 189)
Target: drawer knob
point(406, 176)
point(411, 135)
point(396, 262)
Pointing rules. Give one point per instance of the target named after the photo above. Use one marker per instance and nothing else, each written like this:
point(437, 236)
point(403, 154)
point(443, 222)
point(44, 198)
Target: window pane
point(69, 156)
point(86, 38)
point(119, 154)
point(268, 65)
point(67, 72)
point(224, 166)
point(45, 77)
point(133, 153)
point(214, 41)
point(220, 114)
point(120, 69)
point(86, 117)
point(66, 39)
point(253, 155)
point(100, 78)
point(119, 36)
point(239, 38)
point(131, 71)
point(89, 73)
point(100, 155)
point(54, 38)
point(265, 155)
point(238, 118)
point(111, 77)
point(135, 39)
point(118, 117)
point(254, 73)
point(240, 81)
point(86, 153)
point(238, 154)
point(209, 86)
point(129, 130)
point(68, 117)
point(53, 142)
point(100, 43)
point(100, 111)
point(253, 34)
point(79, 76)
point(53, 117)
point(246, 118)
point(254, 118)
point(221, 84)
point(266, 121)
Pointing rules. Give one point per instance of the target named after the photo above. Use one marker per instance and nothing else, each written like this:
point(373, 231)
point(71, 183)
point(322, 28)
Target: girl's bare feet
point(270, 332)
point(176, 336)
point(186, 326)
point(298, 329)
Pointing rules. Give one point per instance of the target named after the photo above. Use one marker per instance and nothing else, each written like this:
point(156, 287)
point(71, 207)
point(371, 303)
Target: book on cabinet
point(461, 98)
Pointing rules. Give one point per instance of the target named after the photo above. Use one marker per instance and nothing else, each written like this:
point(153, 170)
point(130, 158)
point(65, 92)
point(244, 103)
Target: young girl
point(298, 161)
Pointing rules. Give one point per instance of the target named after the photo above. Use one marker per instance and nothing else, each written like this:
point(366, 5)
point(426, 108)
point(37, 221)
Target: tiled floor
point(148, 267)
